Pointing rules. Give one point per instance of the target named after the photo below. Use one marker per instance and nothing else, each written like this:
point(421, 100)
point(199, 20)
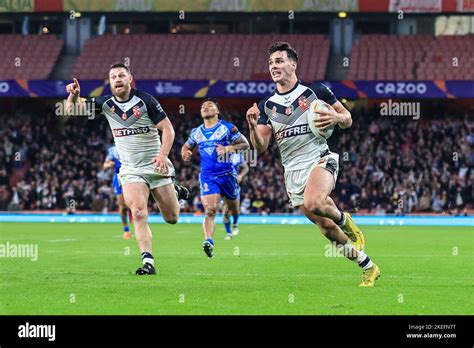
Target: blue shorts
point(116, 185)
point(225, 185)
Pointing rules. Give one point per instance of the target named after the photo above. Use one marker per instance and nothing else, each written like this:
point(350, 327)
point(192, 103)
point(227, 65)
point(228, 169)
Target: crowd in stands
point(400, 166)
point(388, 165)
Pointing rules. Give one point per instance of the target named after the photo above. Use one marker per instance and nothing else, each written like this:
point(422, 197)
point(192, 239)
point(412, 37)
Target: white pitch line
point(85, 252)
point(61, 240)
point(322, 276)
point(158, 253)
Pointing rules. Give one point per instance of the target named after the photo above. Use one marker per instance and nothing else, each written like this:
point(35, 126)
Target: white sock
point(148, 260)
point(363, 260)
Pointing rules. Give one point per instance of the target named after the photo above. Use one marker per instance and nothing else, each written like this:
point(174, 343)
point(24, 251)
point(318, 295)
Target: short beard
point(208, 117)
point(123, 94)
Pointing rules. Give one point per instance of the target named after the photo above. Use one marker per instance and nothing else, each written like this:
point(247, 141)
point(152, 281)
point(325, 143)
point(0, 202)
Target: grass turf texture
point(85, 269)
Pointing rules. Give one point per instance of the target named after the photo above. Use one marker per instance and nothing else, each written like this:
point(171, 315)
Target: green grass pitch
point(274, 269)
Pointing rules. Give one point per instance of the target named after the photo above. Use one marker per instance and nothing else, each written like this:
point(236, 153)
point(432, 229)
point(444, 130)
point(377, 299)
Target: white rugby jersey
point(133, 124)
point(286, 114)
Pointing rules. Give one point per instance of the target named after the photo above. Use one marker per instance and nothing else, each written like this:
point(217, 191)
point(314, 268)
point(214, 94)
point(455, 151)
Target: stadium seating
point(198, 56)
point(414, 57)
point(232, 56)
point(37, 56)
point(443, 54)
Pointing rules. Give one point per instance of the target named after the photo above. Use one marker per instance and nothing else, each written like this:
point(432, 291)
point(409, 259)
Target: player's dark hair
point(119, 65)
point(284, 46)
point(214, 101)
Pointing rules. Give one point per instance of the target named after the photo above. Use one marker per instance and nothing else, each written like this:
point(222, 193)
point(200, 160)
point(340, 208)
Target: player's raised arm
point(259, 134)
point(74, 90)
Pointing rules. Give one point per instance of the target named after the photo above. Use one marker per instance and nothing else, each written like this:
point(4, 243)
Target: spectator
point(425, 201)
point(387, 165)
point(258, 205)
point(245, 204)
point(438, 204)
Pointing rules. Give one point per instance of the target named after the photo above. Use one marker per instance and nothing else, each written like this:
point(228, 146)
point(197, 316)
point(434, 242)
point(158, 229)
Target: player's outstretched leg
point(370, 271)
point(123, 210)
point(136, 197)
point(210, 209)
point(316, 199)
point(226, 220)
point(165, 198)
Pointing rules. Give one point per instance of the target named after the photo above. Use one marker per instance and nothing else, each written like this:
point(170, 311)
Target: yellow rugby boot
point(353, 232)
point(369, 276)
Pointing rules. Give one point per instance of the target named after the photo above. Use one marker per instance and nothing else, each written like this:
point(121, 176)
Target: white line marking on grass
point(322, 275)
point(208, 274)
point(61, 240)
point(85, 252)
point(198, 253)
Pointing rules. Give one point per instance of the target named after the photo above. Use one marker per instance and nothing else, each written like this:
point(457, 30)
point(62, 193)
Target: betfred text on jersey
point(292, 131)
point(124, 132)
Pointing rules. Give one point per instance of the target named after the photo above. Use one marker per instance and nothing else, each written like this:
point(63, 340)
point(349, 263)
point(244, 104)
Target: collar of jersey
point(213, 127)
point(132, 93)
point(291, 90)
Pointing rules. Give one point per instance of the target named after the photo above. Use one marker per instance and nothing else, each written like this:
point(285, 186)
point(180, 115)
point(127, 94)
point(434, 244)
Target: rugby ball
point(313, 117)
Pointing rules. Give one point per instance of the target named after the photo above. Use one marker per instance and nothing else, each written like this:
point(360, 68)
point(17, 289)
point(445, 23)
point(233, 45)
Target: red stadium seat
point(26, 47)
point(412, 57)
point(198, 56)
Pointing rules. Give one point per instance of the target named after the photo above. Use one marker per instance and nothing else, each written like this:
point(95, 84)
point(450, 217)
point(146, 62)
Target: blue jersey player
point(112, 161)
point(215, 139)
point(241, 167)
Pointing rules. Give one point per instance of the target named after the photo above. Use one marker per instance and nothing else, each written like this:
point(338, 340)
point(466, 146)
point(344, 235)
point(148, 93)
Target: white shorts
point(147, 175)
point(295, 180)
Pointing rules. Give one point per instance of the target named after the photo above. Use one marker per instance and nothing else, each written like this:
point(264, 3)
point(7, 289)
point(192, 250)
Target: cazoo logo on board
point(401, 88)
point(250, 87)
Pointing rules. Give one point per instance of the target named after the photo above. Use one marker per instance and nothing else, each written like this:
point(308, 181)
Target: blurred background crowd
point(388, 165)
